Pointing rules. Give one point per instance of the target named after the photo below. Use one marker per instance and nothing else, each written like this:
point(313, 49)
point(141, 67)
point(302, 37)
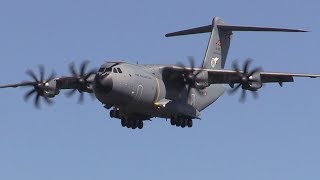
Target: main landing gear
point(132, 123)
point(126, 122)
point(180, 122)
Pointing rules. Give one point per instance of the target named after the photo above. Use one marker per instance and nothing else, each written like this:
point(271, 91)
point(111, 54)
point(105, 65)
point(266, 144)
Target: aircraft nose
point(103, 83)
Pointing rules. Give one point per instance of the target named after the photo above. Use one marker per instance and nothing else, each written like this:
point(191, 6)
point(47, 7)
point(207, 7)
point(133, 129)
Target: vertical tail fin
point(219, 42)
point(218, 46)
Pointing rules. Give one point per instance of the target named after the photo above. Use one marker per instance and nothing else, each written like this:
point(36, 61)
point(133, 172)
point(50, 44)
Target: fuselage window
point(119, 70)
point(115, 70)
point(101, 69)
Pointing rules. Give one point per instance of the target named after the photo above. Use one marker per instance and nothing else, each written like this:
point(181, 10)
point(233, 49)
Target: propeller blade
point(93, 97)
point(192, 62)
point(70, 93)
point(52, 75)
point(90, 73)
point(83, 67)
point(243, 96)
point(73, 70)
point(255, 70)
point(37, 101)
point(28, 94)
point(41, 70)
point(233, 90)
point(38, 86)
point(255, 94)
point(235, 66)
point(82, 84)
point(189, 76)
point(179, 64)
point(246, 66)
point(32, 75)
point(48, 100)
point(197, 73)
point(81, 98)
point(245, 79)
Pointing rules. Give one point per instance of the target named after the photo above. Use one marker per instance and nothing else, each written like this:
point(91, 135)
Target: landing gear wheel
point(112, 113)
point(173, 121)
point(134, 124)
point(190, 123)
point(129, 123)
point(140, 124)
point(123, 122)
point(116, 113)
point(183, 123)
point(178, 122)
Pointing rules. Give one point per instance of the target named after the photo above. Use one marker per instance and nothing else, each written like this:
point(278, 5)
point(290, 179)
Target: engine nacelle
point(51, 88)
point(254, 82)
point(202, 81)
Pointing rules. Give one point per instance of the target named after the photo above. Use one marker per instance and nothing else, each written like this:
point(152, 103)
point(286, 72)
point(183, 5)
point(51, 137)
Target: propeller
point(82, 82)
point(245, 79)
point(39, 86)
point(190, 76)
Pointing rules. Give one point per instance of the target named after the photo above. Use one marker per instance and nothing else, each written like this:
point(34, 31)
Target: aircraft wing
point(47, 88)
point(224, 76)
point(231, 76)
point(60, 83)
point(18, 85)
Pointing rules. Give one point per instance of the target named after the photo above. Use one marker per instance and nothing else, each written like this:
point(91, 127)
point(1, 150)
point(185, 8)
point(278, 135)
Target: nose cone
point(103, 83)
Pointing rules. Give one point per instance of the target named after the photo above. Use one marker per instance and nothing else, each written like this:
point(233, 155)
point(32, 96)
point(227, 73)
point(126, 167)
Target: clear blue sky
point(275, 137)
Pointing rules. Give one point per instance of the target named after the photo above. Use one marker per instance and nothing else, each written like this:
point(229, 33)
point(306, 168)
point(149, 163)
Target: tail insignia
point(214, 61)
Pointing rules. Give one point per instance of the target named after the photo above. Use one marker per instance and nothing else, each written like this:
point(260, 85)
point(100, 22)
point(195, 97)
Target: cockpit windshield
point(107, 67)
point(110, 67)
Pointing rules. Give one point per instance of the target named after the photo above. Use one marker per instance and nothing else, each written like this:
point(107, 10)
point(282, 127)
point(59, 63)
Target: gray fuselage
point(138, 89)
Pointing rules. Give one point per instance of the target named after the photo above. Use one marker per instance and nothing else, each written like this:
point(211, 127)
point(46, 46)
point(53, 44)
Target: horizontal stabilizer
point(252, 28)
point(206, 29)
point(198, 30)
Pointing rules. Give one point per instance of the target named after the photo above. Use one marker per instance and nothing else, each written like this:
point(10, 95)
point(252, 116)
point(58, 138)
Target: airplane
point(136, 93)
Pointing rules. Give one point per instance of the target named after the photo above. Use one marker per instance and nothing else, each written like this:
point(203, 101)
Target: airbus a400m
point(136, 93)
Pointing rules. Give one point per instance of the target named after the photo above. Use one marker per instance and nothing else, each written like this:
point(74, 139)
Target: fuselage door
point(139, 93)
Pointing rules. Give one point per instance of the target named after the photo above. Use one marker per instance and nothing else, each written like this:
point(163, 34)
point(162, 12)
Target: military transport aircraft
point(140, 92)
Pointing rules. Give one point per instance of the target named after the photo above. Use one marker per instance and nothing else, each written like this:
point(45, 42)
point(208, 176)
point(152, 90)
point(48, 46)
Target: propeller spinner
point(190, 77)
point(40, 87)
point(246, 80)
point(83, 81)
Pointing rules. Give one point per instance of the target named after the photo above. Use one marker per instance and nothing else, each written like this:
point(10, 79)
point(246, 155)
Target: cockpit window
point(101, 70)
point(110, 67)
point(107, 70)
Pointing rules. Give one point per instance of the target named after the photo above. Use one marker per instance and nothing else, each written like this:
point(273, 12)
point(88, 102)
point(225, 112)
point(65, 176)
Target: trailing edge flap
point(206, 29)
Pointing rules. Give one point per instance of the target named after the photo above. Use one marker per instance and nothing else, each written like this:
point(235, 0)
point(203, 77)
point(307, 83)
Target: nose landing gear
point(114, 113)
